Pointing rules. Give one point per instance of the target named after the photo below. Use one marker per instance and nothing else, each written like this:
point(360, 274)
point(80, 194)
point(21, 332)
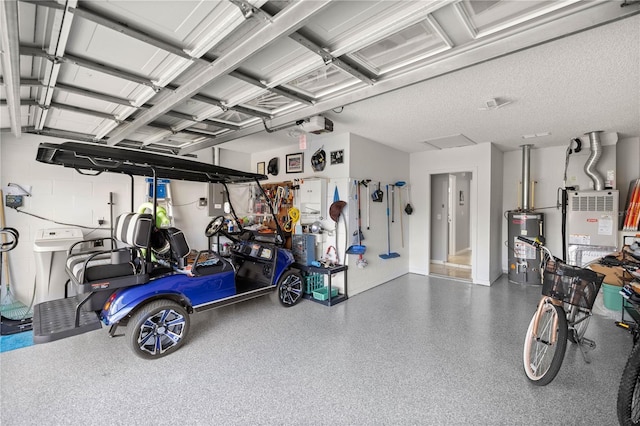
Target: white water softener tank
point(524, 259)
point(50, 248)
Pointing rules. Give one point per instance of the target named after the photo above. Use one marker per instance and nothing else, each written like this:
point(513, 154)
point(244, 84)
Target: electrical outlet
point(98, 243)
point(202, 202)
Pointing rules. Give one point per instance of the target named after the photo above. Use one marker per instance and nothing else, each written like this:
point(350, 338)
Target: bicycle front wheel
point(629, 391)
point(542, 357)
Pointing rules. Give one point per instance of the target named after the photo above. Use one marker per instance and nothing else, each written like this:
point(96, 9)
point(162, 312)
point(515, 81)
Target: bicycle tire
point(628, 404)
point(541, 359)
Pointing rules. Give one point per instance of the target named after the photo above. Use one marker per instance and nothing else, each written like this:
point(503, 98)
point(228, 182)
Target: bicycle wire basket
point(571, 284)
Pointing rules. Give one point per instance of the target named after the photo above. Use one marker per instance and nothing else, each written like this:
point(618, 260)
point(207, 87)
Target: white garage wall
point(380, 163)
point(363, 159)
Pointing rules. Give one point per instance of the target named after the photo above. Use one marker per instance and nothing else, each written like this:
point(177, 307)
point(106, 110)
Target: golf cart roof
point(104, 158)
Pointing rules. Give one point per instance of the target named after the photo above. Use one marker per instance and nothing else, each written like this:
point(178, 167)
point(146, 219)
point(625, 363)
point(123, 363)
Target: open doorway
point(451, 225)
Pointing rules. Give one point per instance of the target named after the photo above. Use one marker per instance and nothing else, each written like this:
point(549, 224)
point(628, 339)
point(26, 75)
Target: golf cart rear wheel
point(158, 329)
point(290, 288)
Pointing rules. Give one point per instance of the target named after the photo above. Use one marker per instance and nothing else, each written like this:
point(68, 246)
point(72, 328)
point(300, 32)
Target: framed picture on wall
point(337, 157)
point(260, 169)
point(295, 163)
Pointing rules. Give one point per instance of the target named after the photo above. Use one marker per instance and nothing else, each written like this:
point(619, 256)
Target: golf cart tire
point(290, 288)
point(158, 328)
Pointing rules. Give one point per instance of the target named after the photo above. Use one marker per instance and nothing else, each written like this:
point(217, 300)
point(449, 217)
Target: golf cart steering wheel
point(214, 226)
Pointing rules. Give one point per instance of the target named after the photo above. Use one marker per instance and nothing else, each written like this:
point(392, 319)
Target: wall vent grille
point(593, 203)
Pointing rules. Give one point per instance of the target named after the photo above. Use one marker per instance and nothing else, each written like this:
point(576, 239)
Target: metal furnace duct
point(590, 166)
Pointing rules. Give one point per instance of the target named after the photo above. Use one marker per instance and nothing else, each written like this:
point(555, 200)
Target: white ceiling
point(416, 75)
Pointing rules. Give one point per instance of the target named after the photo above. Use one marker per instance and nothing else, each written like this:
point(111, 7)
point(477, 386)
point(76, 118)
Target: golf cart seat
point(100, 270)
point(205, 262)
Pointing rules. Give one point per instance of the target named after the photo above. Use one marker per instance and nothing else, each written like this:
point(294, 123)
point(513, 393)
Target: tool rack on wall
point(282, 195)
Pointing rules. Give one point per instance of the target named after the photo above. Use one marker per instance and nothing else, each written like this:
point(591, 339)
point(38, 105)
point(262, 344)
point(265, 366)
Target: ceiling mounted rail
point(10, 59)
point(61, 27)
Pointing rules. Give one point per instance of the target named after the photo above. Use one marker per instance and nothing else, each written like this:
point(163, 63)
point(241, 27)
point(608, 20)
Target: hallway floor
point(457, 266)
point(414, 351)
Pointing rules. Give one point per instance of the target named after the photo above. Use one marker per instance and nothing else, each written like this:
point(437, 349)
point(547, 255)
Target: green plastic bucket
point(612, 297)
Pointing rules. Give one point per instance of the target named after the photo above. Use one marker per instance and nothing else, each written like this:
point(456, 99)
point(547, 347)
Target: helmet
point(319, 160)
point(336, 209)
point(272, 168)
point(159, 242)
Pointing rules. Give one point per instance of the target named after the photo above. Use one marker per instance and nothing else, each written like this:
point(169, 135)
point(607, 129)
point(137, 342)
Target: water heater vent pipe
point(526, 175)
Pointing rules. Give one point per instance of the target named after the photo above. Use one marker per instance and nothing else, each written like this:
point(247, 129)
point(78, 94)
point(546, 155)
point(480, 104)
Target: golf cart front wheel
point(158, 329)
point(290, 288)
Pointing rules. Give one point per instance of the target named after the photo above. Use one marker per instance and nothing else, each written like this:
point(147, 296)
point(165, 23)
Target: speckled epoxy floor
point(415, 351)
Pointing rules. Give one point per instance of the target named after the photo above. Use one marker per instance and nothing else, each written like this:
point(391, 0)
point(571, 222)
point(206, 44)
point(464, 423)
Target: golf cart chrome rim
point(161, 331)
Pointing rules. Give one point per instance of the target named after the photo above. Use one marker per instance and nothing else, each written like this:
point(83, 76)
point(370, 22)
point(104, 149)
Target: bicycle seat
point(611, 260)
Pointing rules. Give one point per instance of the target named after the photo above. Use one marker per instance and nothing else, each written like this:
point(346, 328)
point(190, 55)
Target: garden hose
point(294, 216)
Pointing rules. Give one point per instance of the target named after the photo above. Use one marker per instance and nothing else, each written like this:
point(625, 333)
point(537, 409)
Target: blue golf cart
point(146, 277)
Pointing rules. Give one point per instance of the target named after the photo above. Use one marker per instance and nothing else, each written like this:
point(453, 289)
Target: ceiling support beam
point(219, 123)
point(328, 58)
point(28, 102)
point(289, 20)
point(95, 95)
point(82, 111)
point(61, 27)
point(115, 26)
point(221, 105)
point(277, 90)
point(63, 134)
point(76, 90)
point(46, 3)
point(85, 63)
point(24, 82)
point(10, 58)
point(131, 32)
point(119, 101)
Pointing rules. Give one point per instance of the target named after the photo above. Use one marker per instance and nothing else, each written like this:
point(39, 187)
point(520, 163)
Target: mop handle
point(388, 226)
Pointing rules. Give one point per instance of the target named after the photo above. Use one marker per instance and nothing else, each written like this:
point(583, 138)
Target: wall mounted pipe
point(595, 145)
point(526, 175)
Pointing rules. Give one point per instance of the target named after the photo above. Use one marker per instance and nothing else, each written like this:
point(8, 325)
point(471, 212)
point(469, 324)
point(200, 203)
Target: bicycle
point(628, 400)
point(568, 294)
